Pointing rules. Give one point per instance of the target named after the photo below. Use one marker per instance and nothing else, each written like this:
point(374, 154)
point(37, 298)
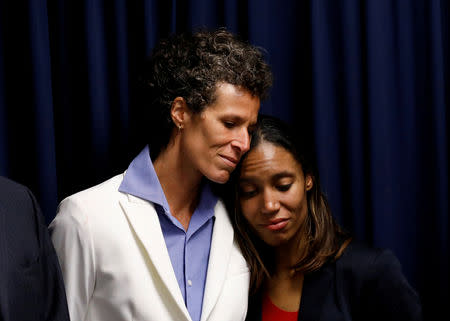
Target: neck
point(287, 255)
point(285, 288)
point(285, 285)
point(180, 183)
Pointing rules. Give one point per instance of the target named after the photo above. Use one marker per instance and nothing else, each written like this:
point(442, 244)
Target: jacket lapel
point(219, 258)
point(144, 220)
point(316, 287)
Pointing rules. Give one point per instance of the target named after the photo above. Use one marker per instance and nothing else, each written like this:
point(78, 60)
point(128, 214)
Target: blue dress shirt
point(188, 250)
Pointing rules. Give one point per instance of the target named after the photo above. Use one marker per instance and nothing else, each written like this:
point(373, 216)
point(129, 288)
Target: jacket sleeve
point(54, 304)
point(73, 243)
point(386, 294)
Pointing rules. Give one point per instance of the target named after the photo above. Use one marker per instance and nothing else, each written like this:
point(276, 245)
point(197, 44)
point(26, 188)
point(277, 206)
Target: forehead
point(268, 160)
point(235, 102)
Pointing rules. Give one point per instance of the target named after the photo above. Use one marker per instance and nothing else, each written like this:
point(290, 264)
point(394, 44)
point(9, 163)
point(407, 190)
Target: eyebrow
point(238, 118)
point(245, 180)
point(283, 174)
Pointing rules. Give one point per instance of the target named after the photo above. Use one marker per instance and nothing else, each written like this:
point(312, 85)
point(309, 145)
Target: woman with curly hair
point(303, 265)
point(155, 243)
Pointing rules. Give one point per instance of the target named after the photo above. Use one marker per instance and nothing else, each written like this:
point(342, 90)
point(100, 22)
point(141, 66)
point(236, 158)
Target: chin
point(274, 241)
point(220, 177)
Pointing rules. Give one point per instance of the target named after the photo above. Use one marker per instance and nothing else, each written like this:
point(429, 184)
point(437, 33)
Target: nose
point(271, 203)
point(242, 141)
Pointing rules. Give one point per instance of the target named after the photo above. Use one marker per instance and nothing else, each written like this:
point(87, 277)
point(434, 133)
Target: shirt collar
point(141, 180)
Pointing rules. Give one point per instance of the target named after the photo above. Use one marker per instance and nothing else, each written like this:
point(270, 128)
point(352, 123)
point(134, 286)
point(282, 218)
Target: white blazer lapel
point(144, 220)
point(219, 258)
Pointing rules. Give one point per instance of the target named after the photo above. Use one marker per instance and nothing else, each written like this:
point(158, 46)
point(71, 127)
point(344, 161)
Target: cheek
point(249, 210)
point(197, 142)
point(300, 208)
point(212, 128)
point(295, 199)
point(218, 136)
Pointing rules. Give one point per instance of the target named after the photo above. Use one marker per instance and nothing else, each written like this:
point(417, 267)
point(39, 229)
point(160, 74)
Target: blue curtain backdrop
point(367, 81)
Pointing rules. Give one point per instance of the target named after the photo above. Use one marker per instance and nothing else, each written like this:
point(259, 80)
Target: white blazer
point(116, 266)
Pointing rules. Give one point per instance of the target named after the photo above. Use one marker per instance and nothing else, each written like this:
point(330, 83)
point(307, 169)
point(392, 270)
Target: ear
point(309, 182)
point(178, 111)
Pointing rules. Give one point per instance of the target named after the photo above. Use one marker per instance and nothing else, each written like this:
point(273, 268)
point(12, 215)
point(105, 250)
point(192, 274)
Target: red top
point(270, 312)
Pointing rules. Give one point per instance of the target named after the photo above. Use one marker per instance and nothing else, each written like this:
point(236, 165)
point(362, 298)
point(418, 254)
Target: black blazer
point(31, 285)
point(364, 284)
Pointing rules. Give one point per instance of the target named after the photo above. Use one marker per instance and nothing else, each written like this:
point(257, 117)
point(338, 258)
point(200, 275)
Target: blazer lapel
point(144, 221)
point(219, 258)
point(316, 287)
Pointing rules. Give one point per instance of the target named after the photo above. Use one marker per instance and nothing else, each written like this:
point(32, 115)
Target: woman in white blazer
point(155, 243)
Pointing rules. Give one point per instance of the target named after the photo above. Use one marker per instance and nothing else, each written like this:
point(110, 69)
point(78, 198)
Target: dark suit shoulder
point(19, 206)
point(360, 251)
point(32, 285)
point(373, 284)
point(360, 265)
point(9, 183)
point(21, 218)
point(11, 191)
point(358, 257)
point(18, 202)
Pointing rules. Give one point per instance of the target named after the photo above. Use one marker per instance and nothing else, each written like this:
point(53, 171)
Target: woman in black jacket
point(304, 266)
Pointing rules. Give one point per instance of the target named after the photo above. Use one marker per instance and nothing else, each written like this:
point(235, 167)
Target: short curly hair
point(191, 65)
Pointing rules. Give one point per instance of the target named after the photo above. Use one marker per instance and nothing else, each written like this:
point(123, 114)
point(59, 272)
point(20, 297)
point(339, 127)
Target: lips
point(277, 224)
point(230, 161)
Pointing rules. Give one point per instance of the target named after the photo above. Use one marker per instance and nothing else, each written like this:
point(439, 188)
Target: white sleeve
point(71, 237)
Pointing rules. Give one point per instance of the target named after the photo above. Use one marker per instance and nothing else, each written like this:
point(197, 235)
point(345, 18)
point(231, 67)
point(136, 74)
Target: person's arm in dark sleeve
point(55, 303)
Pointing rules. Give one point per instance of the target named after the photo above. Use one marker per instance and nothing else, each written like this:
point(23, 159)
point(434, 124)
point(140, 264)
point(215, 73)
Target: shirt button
point(189, 282)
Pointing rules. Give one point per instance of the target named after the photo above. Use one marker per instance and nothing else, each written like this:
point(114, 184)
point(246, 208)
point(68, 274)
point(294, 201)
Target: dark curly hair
point(191, 65)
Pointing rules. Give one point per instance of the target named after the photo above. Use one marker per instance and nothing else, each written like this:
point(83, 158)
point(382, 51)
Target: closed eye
point(229, 124)
point(283, 188)
point(247, 193)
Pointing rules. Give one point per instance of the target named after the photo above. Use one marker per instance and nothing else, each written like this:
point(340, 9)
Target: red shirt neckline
point(270, 312)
